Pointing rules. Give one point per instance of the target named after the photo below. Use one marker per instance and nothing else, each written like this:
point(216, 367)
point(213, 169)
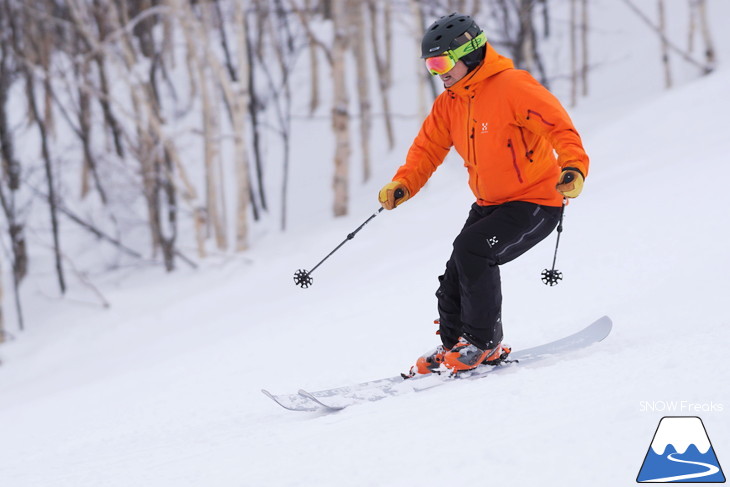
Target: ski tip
point(313, 398)
point(606, 324)
point(287, 403)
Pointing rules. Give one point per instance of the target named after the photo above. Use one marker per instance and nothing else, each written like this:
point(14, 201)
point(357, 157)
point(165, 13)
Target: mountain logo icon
point(681, 452)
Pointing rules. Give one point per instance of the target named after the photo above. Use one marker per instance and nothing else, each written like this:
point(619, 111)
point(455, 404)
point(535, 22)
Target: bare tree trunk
point(83, 132)
point(692, 29)
point(110, 121)
point(2, 309)
point(387, 26)
point(573, 53)
point(425, 80)
point(515, 23)
point(233, 73)
point(16, 232)
point(85, 128)
point(50, 179)
point(584, 46)
point(238, 107)
point(709, 44)
point(254, 107)
point(220, 20)
point(167, 189)
point(665, 47)
point(34, 52)
point(281, 40)
point(381, 68)
point(326, 8)
point(457, 5)
point(152, 150)
point(546, 18)
point(275, 32)
point(527, 34)
point(340, 116)
point(706, 68)
point(206, 216)
point(235, 95)
point(211, 139)
point(363, 86)
point(11, 177)
point(313, 70)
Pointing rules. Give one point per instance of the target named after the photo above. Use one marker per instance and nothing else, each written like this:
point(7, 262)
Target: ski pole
point(553, 276)
point(303, 278)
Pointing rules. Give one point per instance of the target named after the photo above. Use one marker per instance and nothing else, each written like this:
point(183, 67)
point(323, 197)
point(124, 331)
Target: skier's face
point(453, 76)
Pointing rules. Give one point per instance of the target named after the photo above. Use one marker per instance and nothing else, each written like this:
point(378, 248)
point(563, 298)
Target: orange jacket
point(505, 125)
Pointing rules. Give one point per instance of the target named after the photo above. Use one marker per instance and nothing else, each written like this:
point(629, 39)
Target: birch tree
point(35, 52)
point(357, 20)
point(584, 29)
point(662, 27)
point(232, 89)
point(340, 112)
point(10, 182)
point(667, 45)
point(380, 38)
point(579, 67)
point(698, 22)
point(238, 93)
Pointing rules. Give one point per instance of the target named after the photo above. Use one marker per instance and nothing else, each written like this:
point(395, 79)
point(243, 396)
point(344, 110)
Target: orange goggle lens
point(440, 64)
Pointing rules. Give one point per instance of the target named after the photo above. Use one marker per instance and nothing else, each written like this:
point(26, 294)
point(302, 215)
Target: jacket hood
point(493, 63)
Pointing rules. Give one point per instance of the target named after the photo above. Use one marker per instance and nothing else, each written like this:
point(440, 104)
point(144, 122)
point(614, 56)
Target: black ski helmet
point(450, 32)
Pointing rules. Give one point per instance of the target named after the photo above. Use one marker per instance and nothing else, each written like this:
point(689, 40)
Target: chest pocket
point(527, 144)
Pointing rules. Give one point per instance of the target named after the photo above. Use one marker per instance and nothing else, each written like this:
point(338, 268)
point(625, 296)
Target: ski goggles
point(445, 62)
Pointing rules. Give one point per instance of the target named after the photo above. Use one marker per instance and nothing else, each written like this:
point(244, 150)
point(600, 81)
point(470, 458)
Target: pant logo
point(492, 241)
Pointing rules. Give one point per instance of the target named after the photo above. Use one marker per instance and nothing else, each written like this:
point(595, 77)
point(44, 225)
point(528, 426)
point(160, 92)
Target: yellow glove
point(393, 194)
point(570, 183)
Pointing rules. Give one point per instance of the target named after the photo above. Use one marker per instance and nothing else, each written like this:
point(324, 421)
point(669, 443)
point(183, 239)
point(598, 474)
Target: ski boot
point(429, 362)
point(467, 356)
point(506, 350)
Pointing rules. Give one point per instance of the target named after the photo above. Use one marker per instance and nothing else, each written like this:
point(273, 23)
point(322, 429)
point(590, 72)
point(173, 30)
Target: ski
point(316, 400)
point(293, 402)
point(338, 398)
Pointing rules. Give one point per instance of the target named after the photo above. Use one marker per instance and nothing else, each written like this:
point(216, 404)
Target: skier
point(505, 125)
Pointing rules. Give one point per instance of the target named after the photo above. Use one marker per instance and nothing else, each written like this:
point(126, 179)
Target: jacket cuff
point(575, 168)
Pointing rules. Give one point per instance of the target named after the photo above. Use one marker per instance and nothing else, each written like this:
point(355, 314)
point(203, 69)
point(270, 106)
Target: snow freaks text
point(680, 407)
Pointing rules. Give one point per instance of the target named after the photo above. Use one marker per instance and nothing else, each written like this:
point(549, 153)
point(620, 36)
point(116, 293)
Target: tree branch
point(705, 68)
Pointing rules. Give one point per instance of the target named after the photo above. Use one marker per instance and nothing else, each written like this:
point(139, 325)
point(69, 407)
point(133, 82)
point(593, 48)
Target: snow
point(163, 388)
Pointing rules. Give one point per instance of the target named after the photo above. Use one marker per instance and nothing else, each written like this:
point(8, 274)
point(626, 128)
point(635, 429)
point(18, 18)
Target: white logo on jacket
point(485, 128)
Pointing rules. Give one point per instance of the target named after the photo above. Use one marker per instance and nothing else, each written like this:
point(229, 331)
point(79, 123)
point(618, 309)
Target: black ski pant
point(470, 294)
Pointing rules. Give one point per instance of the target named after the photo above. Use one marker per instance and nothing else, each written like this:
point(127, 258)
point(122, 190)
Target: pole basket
point(551, 277)
point(302, 279)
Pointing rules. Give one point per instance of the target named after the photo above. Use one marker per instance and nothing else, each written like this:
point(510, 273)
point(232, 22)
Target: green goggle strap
point(466, 48)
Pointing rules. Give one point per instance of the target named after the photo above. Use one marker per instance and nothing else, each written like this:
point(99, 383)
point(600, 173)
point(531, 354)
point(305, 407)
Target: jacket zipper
point(528, 151)
point(533, 112)
point(514, 159)
point(472, 146)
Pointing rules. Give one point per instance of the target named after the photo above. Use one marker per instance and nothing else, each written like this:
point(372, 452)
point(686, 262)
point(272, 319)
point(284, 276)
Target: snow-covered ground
point(163, 388)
